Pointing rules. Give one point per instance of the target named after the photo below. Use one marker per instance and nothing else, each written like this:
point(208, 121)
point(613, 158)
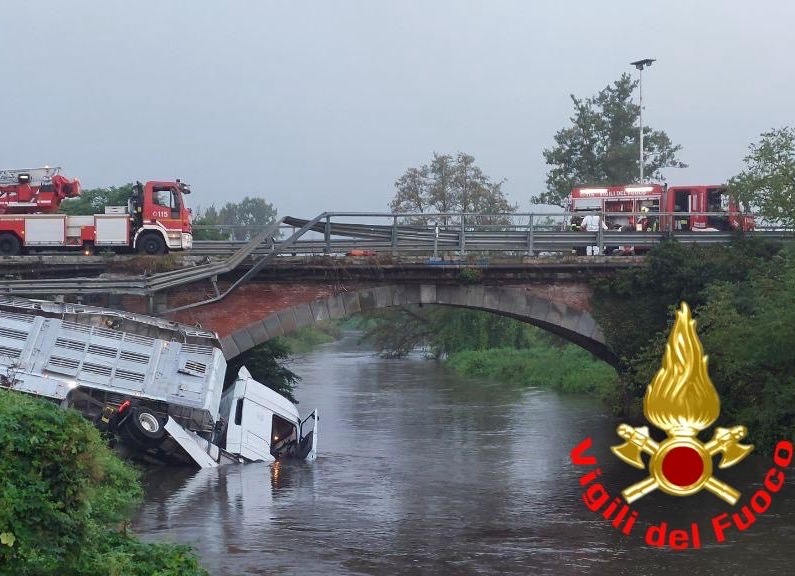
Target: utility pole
point(640, 65)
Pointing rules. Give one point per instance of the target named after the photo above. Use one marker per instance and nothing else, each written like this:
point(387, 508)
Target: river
point(423, 472)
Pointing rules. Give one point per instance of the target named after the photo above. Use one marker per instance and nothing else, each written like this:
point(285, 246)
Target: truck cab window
point(161, 197)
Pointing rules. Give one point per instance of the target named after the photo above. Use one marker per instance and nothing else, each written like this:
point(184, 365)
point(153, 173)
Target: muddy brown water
point(423, 472)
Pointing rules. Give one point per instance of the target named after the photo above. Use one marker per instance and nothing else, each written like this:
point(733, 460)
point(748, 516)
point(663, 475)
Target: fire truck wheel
point(145, 426)
point(152, 244)
point(9, 245)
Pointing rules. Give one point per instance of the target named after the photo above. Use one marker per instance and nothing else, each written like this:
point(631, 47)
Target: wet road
point(422, 472)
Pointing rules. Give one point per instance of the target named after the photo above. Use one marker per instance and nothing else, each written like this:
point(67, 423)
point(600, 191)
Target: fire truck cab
point(705, 208)
point(653, 207)
point(160, 219)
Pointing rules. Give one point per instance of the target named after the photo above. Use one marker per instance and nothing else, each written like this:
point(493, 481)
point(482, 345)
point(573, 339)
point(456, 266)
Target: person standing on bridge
point(591, 223)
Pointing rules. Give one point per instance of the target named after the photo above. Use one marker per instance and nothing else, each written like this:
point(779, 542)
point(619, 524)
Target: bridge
point(295, 273)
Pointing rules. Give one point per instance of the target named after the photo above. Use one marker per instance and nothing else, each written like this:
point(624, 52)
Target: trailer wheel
point(151, 243)
point(9, 244)
point(144, 426)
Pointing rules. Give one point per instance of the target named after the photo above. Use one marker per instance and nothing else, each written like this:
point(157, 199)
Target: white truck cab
point(263, 425)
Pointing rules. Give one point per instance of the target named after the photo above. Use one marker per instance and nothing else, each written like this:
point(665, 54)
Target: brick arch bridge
point(258, 312)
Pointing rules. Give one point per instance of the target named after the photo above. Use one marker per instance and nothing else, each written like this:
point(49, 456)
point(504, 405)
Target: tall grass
point(566, 369)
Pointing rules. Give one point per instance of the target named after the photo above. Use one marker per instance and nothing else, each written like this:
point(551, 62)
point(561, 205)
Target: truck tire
point(9, 245)
point(152, 244)
point(144, 426)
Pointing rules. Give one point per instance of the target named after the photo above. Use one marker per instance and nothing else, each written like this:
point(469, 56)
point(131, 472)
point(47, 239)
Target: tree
point(263, 363)
point(205, 225)
point(601, 147)
point(94, 200)
point(448, 185)
point(768, 181)
point(237, 221)
point(451, 185)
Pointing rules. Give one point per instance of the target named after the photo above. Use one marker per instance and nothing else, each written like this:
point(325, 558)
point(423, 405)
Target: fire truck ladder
point(32, 176)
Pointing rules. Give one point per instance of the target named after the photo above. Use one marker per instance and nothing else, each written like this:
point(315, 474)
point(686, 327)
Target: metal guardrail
point(479, 243)
point(416, 234)
point(397, 235)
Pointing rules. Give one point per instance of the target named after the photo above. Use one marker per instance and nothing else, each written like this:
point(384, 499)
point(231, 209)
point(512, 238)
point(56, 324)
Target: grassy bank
point(306, 339)
point(66, 499)
point(566, 369)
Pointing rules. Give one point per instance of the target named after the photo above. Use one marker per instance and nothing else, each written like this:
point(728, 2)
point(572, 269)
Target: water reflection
point(422, 473)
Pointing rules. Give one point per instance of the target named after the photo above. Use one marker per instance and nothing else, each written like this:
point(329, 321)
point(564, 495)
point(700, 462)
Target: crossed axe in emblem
point(724, 440)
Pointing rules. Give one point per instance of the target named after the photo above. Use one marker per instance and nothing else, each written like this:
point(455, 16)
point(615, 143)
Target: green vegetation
point(396, 332)
point(234, 221)
point(768, 182)
point(742, 299)
point(265, 364)
point(94, 200)
point(482, 344)
point(601, 145)
point(566, 369)
point(305, 339)
point(65, 500)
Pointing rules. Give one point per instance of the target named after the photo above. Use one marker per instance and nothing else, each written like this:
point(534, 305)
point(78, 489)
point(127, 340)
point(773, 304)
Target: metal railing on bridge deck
point(339, 233)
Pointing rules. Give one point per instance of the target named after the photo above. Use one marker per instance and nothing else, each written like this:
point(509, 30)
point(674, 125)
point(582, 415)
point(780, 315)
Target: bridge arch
point(574, 325)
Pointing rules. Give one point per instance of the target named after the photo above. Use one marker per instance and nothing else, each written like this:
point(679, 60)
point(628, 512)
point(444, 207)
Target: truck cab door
point(249, 428)
point(307, 446)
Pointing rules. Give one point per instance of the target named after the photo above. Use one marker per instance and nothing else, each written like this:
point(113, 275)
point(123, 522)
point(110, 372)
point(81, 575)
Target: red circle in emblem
point(682, 466)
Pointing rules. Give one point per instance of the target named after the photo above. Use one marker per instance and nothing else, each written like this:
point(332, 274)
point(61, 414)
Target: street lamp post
point(640, 65)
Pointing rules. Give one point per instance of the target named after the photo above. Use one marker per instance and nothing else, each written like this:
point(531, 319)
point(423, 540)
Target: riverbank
point(566, 369)
point(66, 500)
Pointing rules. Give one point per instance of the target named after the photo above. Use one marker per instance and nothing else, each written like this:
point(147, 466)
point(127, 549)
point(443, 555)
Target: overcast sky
point(321, 105)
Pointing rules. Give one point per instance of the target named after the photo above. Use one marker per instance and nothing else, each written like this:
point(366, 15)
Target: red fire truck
point(154, 221)
point(663, 207)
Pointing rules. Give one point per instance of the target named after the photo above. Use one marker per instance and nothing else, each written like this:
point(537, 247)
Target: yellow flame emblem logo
point(682, 401)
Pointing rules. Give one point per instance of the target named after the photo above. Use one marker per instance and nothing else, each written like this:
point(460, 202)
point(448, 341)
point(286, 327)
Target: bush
point(568, 369)
point(65, 499)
